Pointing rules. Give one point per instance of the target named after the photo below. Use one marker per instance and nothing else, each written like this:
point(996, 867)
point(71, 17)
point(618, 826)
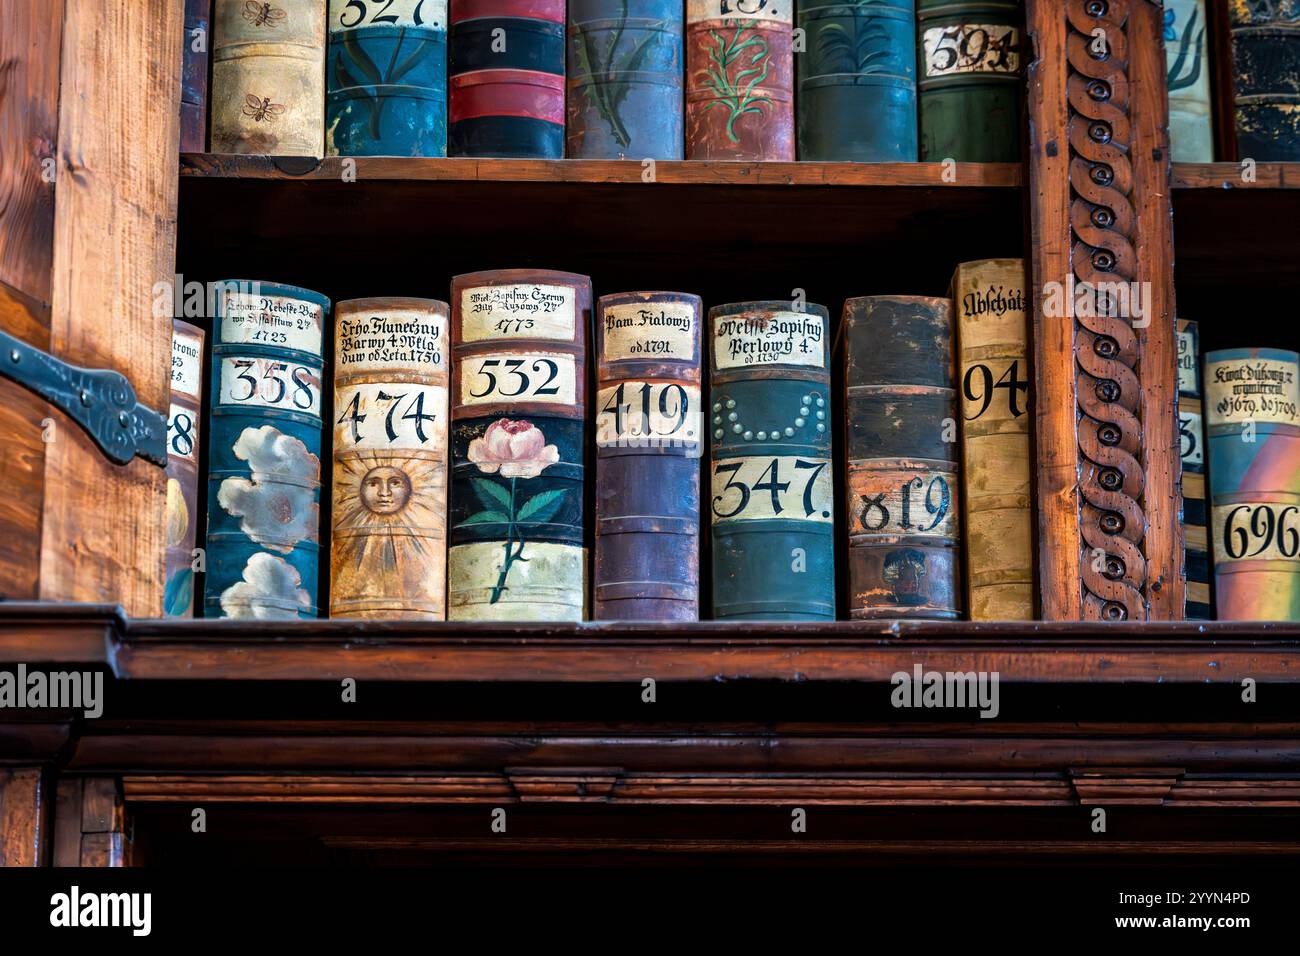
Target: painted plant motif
point(606, 97)
point(353, 67)
point(1183, 74)
point(515, 450)
point(865, 48)
point(735, 87)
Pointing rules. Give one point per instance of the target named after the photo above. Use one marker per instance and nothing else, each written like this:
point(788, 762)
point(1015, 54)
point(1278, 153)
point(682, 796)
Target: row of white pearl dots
point(726, 408)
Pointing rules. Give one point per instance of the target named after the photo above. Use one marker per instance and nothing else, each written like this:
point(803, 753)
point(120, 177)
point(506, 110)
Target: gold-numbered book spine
point(989, 301)
point(268, 77)
point(388, 553)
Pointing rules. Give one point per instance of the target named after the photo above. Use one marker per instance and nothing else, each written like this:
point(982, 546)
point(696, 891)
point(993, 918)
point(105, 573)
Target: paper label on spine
point(1262, 531)
point(248, 319)
point(269, 383)
point(1189, 379)
point(548, 377)
point(971, 48)
point(187, 363)
point(766, 486)
point(1261, 390)
point(769, 338)
point(778, 11)
point(635, 414)
point(1191, 438)
point(412, 340)
point(893, 501)
point(182, 433)
point(421, 14)
point(519, 311)
point(649, 331)
point(400, 415)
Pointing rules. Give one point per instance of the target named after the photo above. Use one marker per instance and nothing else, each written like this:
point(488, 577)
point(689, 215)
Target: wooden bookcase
point(1110, 701)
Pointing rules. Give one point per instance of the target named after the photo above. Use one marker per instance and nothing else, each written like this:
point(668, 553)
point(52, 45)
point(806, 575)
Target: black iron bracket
point(101, 401)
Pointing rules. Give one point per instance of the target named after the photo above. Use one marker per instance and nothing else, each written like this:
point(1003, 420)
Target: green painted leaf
point(491, 494)
point(486, 517)
point(361, 59)
point(542, 506)
point(177, 594)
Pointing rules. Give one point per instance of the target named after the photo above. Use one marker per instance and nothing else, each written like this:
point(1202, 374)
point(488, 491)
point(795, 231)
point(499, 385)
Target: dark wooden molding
point(1226, 176)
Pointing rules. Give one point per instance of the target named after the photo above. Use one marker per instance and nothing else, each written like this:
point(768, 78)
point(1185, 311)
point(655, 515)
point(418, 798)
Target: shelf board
point(1227, 176)
point(601, 652)
point(674, 172)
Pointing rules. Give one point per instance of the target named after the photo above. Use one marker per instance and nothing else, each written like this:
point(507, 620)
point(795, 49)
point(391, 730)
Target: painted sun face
point(385, 490)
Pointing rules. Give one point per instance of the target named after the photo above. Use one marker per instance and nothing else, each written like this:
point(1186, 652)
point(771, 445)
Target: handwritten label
point(764, 487)
point(519, 311)
point(971, 48)
point(404, 339)
point(390, 415)
point(899, 501)
point(1188, 380)
point(187, 363)
point(248, 319)
point(1264, 531)
point(182, 433)
point(532, 377)
point(1252, 389)
point(1190, 432)
point(648, 414)
point(350, 14)
point(775, 338)
point(649, 331)
point(269, 383)
point(778, 11)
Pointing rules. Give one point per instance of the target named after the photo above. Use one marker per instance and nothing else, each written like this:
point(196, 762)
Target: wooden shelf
point(1228, 176)
point(670, 172)
point(595, 652)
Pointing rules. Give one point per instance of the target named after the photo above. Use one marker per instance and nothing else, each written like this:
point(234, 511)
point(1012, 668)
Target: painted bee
point(259, 14)
point(261, 109)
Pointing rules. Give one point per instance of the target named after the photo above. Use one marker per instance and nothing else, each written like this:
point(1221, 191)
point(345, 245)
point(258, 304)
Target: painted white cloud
point(277, 505)
point(270, 589)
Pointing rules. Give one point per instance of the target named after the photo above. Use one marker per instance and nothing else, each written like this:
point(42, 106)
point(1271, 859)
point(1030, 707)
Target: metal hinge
point(101, 401)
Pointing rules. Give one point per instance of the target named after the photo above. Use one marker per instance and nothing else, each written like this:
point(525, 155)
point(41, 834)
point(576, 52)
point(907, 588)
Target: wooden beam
point(24, 817)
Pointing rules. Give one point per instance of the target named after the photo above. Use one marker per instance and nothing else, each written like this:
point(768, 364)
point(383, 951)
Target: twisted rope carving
point(1108, 392)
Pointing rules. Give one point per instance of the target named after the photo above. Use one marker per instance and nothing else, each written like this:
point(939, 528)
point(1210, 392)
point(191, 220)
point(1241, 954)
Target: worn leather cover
point(1266, 78)
point(183, 430)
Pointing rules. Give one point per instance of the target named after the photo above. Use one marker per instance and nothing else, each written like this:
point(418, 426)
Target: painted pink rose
point(517, 449)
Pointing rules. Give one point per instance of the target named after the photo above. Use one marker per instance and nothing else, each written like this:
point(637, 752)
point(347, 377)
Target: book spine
point(386, 78)
point(1191, 131)
point(506, 79)
point(625, 79)
point(388, 549)
point(970, 56)
point(268, 77)
point(1191, 437)
point(518, 446)
point(1266, 79)
point(901, 451)
point(183, 468)
point(857, 81)
point(771, 497)
point(733, 112)
point(264, 441)
point(194, 76)
point(648, 443)
point(989, 301)
point(1252, 418)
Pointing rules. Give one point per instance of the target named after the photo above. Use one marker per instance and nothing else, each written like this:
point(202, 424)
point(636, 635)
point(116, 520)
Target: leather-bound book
point(386, 78)
point(183, 467)
point(518, 446)
point(772, 489)
point(388, 547)
point(648, 442)
point(857, 81)
point(993, 370)
point(1191, 436)
point(194, 76)
point(505, 72)
point(1266, 78)
point(625, 79)
point(901, 448)
point(1252, 416)
point(971, 57)
point(264, 442)
point(1191, 127)
point(740, 79)
point(268, 77)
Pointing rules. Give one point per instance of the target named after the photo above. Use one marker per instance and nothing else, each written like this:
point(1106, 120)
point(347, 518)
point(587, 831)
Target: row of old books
point(1259, 42)
point(1239, 427)
point(877, 80)
point(461, 439)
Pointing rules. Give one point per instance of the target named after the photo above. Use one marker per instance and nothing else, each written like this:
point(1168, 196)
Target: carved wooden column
point(1110, 533)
